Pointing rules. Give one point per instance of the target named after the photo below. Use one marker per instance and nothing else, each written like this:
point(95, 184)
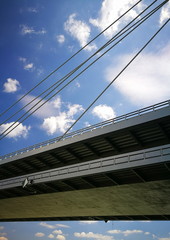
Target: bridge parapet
point(118, 119)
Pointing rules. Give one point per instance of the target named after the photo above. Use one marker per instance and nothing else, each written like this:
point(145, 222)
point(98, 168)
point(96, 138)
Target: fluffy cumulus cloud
point(74, 109)
point(39, 234)
point(55, 119)
point(62, 121)
point(58, 123)
point(111, 10)
point(92, 235)
point(51, 236)
point(165, 13)
point(11, 85)
point(26, 30)
point(60, 237)
point(146, 81)
point(80, 31)
point(20, 131)
point(60, 38)
point(103, 112)
point(57, 232)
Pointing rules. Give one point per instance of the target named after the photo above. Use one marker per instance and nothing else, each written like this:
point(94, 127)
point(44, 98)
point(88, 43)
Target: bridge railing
point(115, 120)
point(104, 165)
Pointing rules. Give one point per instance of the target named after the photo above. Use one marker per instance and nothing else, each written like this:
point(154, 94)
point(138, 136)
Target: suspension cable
point(69, 59)
point(113, 80)
point(59, 82)
point(146, 16)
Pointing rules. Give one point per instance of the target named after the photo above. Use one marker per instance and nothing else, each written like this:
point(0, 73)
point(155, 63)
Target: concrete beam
point(149, 198)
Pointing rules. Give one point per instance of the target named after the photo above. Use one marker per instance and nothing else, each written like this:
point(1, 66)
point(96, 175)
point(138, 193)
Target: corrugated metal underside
point(142, 136)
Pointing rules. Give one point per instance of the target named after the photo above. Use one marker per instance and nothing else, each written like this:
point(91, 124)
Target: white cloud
point(146, 81)
point(165, 13)
point(48, 109)
point(1, 227)
point(29, 66)
point(115, 231)
point(39, 234)
point(44, 224)
point(11, 85)
point(126, 232)
point(80, 31)
point(103, 112)
point(26, 30)
point(51, 236)
point(20, 131)
point(55, 119)
point(111, 10)
point(57, 232)
point(62, 121)
point(57, 102)
point(62, 225)
point(59, 123)
point(60, 237)
point(129, 232)
point(92, 235)
point(74, 109)
point(60, 38)
point(88, 222)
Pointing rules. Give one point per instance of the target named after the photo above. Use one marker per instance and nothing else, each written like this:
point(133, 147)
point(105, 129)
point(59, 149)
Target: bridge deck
point(148, 127)
point(118, 170)
point(141, 166)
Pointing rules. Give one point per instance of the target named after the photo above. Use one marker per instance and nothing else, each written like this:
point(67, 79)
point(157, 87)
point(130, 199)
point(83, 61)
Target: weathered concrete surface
point(151, 198)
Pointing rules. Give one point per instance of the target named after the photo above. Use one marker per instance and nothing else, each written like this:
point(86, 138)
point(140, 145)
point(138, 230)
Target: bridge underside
point(120, 171)
point(139, 201)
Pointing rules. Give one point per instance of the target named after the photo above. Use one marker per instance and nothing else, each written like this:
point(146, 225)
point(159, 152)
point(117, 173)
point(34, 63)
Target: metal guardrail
point(115, 120)
point(134, 159)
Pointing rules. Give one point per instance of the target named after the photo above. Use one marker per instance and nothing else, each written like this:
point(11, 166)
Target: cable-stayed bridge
point(117, 169)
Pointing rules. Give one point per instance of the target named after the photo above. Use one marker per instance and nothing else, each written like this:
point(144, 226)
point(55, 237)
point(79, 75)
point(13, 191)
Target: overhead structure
point(117, 169)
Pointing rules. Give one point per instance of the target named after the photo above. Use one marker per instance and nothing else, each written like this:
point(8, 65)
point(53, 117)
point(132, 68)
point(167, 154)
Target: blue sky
point(92, 230)
point(37, 37)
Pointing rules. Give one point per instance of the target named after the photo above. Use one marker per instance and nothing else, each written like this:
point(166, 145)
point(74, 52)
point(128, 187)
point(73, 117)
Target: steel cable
point(141, 21)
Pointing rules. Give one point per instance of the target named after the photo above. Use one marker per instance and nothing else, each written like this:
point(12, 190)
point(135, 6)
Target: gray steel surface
point(118, 119)
point(146, 128)
point(115, 170)
point(132, 160)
